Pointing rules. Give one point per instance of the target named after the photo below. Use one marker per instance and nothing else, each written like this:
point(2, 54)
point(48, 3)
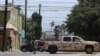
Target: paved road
point(47, 54)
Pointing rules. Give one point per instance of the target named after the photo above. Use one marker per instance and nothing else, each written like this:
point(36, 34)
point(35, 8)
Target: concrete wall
point(15, 19)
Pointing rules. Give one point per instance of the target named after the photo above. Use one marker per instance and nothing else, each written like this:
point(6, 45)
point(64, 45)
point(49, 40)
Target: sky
point(51, 10)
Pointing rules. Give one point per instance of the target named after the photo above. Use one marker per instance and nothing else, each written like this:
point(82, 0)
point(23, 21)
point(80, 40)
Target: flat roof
point(2, 7)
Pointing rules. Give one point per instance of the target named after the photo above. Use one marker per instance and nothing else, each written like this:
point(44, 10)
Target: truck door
point(66, 43)
point(77, 44)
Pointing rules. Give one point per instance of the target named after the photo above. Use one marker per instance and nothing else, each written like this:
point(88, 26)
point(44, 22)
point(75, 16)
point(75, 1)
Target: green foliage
point(33, 27)
point(84, 19)
point(29, 28)
point(37, 19)
point(52, 23)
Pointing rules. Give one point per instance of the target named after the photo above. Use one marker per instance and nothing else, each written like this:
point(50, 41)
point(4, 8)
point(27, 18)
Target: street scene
point(49, 28)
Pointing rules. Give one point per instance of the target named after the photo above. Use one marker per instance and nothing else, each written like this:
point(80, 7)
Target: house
point(13, 26)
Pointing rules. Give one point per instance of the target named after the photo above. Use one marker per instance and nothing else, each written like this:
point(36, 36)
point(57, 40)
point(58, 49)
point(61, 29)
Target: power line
point(32, 6)
point(53, 2)
point(46, 1)
point(58, 9)
point(47, 10)
point(29, 6)
point(54, 17)
point(51, 8)
point(54, 8)
point(54, 21)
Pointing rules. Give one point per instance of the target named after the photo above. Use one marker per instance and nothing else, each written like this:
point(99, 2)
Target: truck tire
point(52, 49)
point(23, 50)
point(31, 50)
point(89, 49)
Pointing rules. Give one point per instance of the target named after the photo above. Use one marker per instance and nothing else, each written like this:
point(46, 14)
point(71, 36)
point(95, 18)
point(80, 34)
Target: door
point(66, 43)
point(77, 44)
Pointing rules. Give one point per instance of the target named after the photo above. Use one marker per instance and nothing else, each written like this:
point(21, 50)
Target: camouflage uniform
point(57, 31)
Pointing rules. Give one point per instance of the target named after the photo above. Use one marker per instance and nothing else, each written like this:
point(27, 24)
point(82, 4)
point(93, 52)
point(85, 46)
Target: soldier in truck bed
point(57, 32)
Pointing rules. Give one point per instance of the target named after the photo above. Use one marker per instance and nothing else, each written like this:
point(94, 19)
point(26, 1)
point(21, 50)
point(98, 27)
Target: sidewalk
point(11, 51)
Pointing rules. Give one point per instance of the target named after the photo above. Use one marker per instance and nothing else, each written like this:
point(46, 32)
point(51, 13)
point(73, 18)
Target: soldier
point(57, 32)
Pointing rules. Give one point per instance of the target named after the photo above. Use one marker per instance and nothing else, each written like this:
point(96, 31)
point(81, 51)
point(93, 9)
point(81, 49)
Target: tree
point(62, 28)
point(29, 28)
point(37, 18)
point(84, 19)
point(52, 24)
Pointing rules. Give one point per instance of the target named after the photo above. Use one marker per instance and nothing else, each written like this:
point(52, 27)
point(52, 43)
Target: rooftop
point(2, 7)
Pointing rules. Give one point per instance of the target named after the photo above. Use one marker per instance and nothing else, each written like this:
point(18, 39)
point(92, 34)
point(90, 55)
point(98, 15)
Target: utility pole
point(40, 21)
point(25, 15)
point(39, 9)
point(4, 29)
point(12, 2)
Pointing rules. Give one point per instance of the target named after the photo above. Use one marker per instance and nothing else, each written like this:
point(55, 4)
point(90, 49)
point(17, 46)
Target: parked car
point(26, 47)
point(29, 47)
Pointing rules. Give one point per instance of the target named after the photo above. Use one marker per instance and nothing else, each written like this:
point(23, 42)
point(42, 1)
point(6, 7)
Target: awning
point(10, 26)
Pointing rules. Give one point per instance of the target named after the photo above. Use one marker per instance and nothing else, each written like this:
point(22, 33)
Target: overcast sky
point(51, 10)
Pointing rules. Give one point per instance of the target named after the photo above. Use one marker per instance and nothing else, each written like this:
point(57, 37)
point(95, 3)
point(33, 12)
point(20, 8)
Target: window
point(67, 39)
point(75, 39)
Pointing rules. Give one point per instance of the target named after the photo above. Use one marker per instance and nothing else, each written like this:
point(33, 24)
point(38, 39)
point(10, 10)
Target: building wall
point(14, 18)
point(2, 17)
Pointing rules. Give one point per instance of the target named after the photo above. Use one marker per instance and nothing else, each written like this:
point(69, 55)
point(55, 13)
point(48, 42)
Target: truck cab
point(71, 43)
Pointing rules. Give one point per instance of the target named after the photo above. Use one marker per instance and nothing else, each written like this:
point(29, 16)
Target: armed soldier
point(57, 32)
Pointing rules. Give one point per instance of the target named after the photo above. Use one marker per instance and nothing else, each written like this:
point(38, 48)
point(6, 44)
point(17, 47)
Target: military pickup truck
point(71, 43)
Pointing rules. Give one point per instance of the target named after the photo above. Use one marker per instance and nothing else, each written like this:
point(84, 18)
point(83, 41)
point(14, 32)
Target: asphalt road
point(18, 53)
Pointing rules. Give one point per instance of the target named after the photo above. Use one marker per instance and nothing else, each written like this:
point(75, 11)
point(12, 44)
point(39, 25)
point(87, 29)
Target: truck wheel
point(31, 50)
point(89, 49)
point(41, 50)
point(52, 49)
point(23, 50)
